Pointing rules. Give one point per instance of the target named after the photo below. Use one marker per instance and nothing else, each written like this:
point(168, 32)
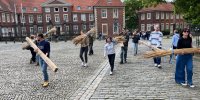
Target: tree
point(190, 9)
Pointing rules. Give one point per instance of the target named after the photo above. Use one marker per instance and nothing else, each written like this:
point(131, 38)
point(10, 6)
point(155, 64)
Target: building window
point(115, 28)
point(172, 16)
point(48, 17)
point(24, 31)
point(177, 25)
point(148, 27)
point(23, 9)
point(181, 16)
point(157, 15)
point(12, 17)
point(23, 19)
point(177, 16)
point(65, 9)
point(0, 18)
point(84, 27)
point(8, 17)
point(47, 9)
point(57, 18)
point(83, 17)
point(78, 7)
point(162, 15)
point(142, 16)
point(91, 17)
point(40, 29)
point(142, 27)
point(31, 19)
point(103, 13)
point(75, 17)
point(39, 18)
point(56, 9)
point(3, 17)
point(162, 26)
point(65, 17)
point(67, 28)
point(148, 15)
point(167, 26)
point(31, 30)
point(35, 9)
point(91, 25)
point(89, 7)
point(109, 1)
point(115, 13)
point(167, 15)
point(75, 29)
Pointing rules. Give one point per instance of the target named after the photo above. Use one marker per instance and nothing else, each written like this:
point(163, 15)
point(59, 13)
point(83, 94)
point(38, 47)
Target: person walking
point(33, 58)
point(44, 46)
point(184, 61)
point(91, 40)
point(84, 50)
point(175, 39)
point(135, 40)
point(156, 40)
point(124, 48)
point(109, 50)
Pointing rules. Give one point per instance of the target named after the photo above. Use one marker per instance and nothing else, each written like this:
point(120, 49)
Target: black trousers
point(85, 51)
point(33, 58)
point(91, 52)
point(123, 55)
point(111, 58)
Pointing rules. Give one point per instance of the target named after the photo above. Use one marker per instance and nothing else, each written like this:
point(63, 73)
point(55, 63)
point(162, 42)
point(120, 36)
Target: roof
point(6, 5)
point(111, 3)
point(159, 7)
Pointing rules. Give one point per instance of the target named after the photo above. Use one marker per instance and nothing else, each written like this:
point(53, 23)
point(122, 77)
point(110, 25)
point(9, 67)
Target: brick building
point(26, 17)
point(163, 15)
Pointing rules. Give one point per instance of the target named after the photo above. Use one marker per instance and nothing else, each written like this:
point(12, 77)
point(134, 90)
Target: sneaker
point(82, 64)
point(111, 72)
point(183, 84)
point(192, 85)
point(155, 65)
point(159, 66)
point(45, 84)
point(85, 65)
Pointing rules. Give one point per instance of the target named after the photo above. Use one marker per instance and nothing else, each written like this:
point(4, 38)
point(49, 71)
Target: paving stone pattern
point(20, 80)
point(139, 79)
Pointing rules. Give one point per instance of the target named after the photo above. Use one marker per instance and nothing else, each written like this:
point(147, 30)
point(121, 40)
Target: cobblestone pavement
point(139, 79)
point(20, 80)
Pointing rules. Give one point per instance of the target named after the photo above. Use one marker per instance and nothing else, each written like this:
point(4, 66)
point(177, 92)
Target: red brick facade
point(57, 9)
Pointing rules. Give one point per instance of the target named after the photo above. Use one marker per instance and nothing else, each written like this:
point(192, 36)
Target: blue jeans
point(37, 58)
point(43, 65)
point(157, 60)
point(123, 55)
point(182, 62)
point(135, 48)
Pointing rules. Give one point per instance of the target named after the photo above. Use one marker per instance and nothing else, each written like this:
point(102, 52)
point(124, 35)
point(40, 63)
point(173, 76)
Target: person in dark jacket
point(33, 58)
point(91, 40)
point(124, 48)
point(135, 40)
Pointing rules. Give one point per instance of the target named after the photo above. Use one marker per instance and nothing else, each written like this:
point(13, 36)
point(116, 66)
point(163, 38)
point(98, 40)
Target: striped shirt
point(156, 38)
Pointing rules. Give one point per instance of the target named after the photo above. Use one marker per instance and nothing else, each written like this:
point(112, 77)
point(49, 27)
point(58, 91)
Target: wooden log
point(148, 45)
point(44, 57)
point(162, 53)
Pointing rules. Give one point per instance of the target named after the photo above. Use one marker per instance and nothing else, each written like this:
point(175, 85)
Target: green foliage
point(166, 32)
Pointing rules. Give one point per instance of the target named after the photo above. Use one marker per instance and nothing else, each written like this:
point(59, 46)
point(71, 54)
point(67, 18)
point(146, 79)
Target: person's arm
point(47, 48)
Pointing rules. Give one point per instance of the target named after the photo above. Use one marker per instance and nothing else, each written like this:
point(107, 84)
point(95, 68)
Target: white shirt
point(109, 48)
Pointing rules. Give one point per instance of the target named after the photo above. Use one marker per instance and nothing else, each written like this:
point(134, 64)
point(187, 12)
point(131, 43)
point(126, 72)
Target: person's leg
point(122, 55)
point(180, 69)
point(125, 53)
point(189, 68)
point(112, 62)
point(85, 53)
point(81, 54)
point(136, 48)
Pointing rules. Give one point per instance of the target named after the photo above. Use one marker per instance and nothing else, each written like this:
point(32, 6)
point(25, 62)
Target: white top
point(109, 48)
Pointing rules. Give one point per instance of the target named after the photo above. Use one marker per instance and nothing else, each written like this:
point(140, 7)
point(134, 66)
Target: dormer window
point(89, 7)
point(35, 9)
point(78, 7)
point(109, 1)
point(65, 9)
point(23, 9)
point(0, 7)
point(56, 9)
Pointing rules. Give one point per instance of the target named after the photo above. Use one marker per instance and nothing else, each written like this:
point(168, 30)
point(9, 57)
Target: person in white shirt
point(109, 50)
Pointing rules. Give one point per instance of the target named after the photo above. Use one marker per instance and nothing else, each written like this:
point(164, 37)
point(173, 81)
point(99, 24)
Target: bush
point(166, 32)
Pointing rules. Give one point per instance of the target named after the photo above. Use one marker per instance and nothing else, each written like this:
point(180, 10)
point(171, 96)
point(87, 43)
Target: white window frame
point(148, 27)
point(57, 18)
point(31, 18)
point(65, 18)
point(148, 16)
point(78, 7)
point(89, 8)
point(39, 18)
point(115, 26)
point(142, 27)
point(157, 15)
point(12, 18)
point(31, 30)
point(162, 15)
point(167, 26)
point(3, 17)
point(8, 17)
point(48, 28)
point(75, 17)
point(67, 29)
point(75, 29)
point(142, 16)
point(23, 31)
point(47, 9)
point(167, 15)
point(177, 16)
point(115, 13)
point(48, 17)
point(171, 16)
point(84, 27)
point(103, 13)
point(64, 8)
point(55, 9)
point(23, 19)
point(83, 17)
point(91, 26)
point(91, 17)
point(35, 9)
point(40, 29)
point(162, 26)
point(177, 25)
